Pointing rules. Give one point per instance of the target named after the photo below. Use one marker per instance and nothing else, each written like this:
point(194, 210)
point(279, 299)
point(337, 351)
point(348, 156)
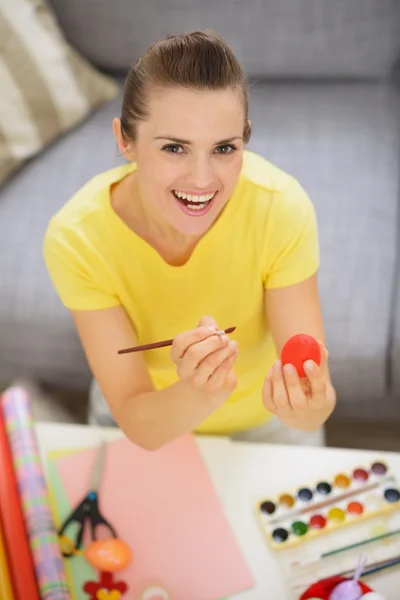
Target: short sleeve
point(78, 276)
point(292, 245)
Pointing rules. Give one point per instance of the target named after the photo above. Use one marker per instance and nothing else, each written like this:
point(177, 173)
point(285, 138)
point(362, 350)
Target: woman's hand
point(205, 360)
point(301, 403)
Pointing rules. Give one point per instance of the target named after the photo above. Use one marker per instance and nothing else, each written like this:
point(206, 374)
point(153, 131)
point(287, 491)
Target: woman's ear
point(125, 147)
point(247, 131)
point(250, 127)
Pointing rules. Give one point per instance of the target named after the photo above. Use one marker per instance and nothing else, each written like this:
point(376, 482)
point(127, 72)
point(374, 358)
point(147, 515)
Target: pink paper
point(163, 504)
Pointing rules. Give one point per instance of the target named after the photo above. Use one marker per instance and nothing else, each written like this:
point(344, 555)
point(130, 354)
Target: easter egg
point(298, 349)
point(347, 590)
point(111, 554)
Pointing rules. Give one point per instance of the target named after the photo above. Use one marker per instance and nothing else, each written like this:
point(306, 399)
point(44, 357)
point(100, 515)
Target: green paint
point(299, 528)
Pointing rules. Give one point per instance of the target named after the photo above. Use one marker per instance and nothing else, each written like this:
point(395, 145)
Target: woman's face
point(189, 154)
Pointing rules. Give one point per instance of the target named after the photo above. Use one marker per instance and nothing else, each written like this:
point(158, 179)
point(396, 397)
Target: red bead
point(298, 349)
point(317, 522)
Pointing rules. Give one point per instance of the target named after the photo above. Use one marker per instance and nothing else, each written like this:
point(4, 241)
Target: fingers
point(267, 394)
point(207, 321)
point(285, 393)
point(279, 391)
point(316, 377)
point(296, 395)
point(197, 354)
point(212, 363)
point(324, 356)
point(222, 374)
point(183, 341)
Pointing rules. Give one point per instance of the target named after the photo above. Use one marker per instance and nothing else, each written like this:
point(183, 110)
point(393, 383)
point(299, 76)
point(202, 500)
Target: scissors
point(88, 508)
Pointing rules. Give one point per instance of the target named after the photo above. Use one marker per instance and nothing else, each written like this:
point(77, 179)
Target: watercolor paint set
point(328, 504)
point(319, 528)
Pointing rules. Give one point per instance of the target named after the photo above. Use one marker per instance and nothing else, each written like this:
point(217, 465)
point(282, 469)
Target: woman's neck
point(174, 247)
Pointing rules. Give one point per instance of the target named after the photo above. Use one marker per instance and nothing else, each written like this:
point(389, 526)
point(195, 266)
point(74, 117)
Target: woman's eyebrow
point(171, 138)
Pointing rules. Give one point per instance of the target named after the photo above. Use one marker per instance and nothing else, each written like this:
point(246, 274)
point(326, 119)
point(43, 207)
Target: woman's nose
point(201, 174)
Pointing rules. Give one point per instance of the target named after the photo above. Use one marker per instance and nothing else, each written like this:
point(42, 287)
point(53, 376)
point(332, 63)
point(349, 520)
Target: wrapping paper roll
point(6, 590)
point(15, 538)
point(42, 534)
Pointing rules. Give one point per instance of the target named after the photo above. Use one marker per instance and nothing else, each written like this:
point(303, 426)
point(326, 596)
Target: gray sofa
point(324, 106)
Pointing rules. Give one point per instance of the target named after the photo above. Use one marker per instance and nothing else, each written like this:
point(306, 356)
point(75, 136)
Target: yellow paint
point(336, 514)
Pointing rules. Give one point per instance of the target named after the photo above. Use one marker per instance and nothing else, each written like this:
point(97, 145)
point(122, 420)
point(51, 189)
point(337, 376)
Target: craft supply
point(105, 589)
point(15, 538)
point(38, 519)
point(381, 566)
point(350, 589)
point(370, 540)
point(370, 569)
point(298, 349)
point(78, 571)
point(324, 506)
point(323, 588)
point(170, 515)
point(155, 592)
point(87, 509)
point(165, 343)
point(6, 591)
point(109, 555)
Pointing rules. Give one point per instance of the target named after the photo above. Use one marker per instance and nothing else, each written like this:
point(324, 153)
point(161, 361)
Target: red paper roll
point(15, 537)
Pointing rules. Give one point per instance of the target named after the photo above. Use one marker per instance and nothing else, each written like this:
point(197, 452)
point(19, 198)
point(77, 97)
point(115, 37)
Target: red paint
point(317, 522)
point(360, 475)
point(355, 508)
point(298, 349)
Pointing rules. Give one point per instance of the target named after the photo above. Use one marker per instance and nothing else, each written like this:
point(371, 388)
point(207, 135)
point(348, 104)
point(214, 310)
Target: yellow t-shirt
point(266, 237)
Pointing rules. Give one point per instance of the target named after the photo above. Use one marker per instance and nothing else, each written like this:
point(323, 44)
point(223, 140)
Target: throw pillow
point(46, 87)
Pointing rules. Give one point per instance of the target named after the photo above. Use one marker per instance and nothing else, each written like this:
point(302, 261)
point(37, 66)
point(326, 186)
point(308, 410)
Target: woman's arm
point(149, 417)
point(291, 310)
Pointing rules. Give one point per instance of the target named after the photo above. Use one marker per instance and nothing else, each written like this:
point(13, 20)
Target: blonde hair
point(201, 60)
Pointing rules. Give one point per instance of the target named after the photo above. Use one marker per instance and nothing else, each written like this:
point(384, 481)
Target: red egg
point(110, 555)
point(298, 349)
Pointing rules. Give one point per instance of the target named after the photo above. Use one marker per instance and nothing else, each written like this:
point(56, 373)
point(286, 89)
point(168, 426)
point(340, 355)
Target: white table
point(242, 473)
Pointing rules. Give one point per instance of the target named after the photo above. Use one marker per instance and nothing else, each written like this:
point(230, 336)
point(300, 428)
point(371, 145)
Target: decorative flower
point(106, 588)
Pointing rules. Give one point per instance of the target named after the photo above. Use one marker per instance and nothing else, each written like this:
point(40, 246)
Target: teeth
point(192, 198)
point(196, 206)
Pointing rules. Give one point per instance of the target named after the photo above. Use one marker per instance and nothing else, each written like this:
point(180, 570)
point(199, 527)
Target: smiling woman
point(192, 235)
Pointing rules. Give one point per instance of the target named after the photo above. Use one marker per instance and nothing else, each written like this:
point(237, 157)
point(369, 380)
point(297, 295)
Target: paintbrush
point(164, 343)
point(370, 569)
point(370, 540)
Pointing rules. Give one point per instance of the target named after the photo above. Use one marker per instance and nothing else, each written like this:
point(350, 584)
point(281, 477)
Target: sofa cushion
point(341, 141)
point(394, 347)
point(46, 87)
point(37, 335)
point(274, 38)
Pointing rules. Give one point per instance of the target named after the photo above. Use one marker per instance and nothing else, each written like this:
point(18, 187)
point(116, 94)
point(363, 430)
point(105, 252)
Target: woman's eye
point(226, 149)
point(173, 149)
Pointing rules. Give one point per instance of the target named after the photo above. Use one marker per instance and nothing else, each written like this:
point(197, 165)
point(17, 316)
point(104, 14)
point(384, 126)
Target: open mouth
point(194, 205)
